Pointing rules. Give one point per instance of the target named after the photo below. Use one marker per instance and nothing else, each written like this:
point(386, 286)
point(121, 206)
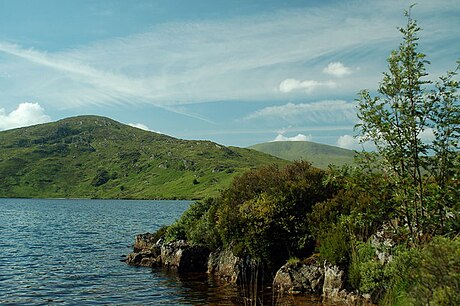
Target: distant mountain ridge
point(97, 157)
point(320, 155)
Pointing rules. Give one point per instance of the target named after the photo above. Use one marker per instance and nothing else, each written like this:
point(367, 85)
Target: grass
point(319, 155)
point(65, 159)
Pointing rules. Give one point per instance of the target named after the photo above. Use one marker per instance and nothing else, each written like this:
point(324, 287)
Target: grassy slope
point(66, 159)
point(319, 155)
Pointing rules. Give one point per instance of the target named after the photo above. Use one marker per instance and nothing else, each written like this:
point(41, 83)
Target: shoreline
point(300, 279)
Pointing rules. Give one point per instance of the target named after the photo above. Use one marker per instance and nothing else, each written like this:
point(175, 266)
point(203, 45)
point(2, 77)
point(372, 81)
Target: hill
point(319, 155)
point(96, 157)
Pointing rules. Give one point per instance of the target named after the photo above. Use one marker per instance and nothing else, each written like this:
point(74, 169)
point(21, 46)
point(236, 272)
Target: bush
point(426, 276)
point(334, 246)
point(101, 178)
point(264, 212)
point(365, 271)
point(181, 229)
point(262, 217)
point(362, 199)
point(204, 231)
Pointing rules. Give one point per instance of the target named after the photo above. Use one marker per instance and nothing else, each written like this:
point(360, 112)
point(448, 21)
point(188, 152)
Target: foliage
point(426, 276)
point(365, 271)
point(101, 178)
point(193, 225)
point(358, 209)
point(335, 245)
point(396, 122)
point(160, 233)
point(293, 261)
point(262, 214)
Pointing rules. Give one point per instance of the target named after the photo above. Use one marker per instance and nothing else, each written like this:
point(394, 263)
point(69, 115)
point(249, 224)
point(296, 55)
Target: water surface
point(69, 252)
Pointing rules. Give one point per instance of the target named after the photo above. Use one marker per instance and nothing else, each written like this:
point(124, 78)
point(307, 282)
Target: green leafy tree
point(445, 168)
point(410, 106)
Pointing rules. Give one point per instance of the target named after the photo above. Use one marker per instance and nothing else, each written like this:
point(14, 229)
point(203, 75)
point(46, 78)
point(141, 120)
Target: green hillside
point(96, 157)
point(319, 155)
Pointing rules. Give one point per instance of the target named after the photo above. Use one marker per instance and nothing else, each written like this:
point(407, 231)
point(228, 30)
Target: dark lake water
point(68, 252)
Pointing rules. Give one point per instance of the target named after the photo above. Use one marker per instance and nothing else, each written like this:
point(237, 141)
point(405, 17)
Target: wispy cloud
point(24, 115)
point(322, 112)
point(201, 61)
point(243, 58)
point(119, 84)
point(308, 86)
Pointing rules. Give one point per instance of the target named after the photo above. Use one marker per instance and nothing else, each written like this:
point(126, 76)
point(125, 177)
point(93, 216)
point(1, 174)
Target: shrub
point(262, 219)
point(101, 178)
point(362, 198)
point(264, 212)
point(182, 227)
point(365, 272)
point(334, 246)
point(429, 275)
point(436, 279)
point(204, 231)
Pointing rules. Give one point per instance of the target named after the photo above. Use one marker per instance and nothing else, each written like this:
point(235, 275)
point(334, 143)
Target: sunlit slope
point(319, 155)
point(96, 157)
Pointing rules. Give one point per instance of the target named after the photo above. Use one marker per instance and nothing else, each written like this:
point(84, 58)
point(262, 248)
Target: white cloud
point(427, 135)
point(348, 142)
point(299, 137)
point(142, 127)
point(354, 143)
point(24, 115)
point(308, 86)
point(337, 69)
point(139, 126)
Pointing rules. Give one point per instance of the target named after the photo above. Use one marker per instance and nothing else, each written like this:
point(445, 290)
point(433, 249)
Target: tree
point(409, 107)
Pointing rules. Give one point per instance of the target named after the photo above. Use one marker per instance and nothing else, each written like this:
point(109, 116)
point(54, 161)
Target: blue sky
point(235, 72)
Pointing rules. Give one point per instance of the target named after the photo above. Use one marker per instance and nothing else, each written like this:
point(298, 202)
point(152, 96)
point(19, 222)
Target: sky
point(236, 72)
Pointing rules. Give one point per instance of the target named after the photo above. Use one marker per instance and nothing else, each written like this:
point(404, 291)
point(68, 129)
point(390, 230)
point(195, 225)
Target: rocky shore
point(303, 277)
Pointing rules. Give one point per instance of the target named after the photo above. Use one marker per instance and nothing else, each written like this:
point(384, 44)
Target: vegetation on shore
point(408, 197)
